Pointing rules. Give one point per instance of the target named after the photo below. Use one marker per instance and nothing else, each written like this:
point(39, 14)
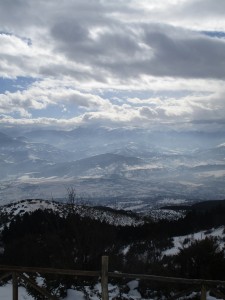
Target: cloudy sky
point(137, 63)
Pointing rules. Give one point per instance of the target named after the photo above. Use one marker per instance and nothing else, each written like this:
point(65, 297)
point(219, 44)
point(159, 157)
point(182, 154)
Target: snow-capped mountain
point(120, 162)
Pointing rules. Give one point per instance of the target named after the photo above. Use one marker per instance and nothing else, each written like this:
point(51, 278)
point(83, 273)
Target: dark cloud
point(76, 42)
point(202, 8)
point(18, 15)
point(92, 33)
point(186, 55)
point(106, 44)
point(70, 32)
point(122, 51)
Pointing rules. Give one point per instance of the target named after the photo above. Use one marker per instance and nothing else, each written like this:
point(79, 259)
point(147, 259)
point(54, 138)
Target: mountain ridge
point(148, 164)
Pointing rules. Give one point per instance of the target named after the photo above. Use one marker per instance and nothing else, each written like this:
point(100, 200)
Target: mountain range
point(108, 163)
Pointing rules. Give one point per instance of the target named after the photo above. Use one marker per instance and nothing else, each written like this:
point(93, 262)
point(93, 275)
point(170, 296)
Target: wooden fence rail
point(21, 273)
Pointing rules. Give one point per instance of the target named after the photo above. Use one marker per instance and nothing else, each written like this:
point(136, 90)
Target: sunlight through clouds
point(76, 53)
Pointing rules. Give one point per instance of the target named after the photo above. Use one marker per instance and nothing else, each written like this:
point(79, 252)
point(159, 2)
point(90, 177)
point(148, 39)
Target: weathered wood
point(217, 293)
point(104, 274)
point(36, 287)
point(167, 279)
point(15, 286)
point(50, 271)
point(8, 274)
point(203, 292)
point(104, 278)
point(110, 274)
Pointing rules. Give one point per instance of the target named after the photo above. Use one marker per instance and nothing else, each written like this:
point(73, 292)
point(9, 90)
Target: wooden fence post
point(14, 286)
point(203, 292)
point(104, 278)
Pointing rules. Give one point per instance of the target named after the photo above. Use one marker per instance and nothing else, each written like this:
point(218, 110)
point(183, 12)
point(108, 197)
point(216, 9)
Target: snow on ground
point(93, 293)
point(172, 201)
point(126, 250)
point(21, 207)
point(208, 297)
point(194, 294)
point(6, 293)
point(110, 217)
point(138, 207)
point(165, 214)
point(134, 205)
point(178, 241)
point(73, 294)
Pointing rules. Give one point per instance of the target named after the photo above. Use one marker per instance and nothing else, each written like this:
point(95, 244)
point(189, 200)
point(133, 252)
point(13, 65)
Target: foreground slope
point(50, 234)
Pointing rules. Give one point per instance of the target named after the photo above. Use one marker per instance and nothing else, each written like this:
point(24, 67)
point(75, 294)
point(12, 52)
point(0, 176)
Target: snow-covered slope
point(103, 214)
point(119, 162)
point(165, 214)
point(29, 205)
point(186, 240)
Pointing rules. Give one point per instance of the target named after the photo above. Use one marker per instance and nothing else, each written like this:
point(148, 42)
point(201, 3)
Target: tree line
point(49, 239)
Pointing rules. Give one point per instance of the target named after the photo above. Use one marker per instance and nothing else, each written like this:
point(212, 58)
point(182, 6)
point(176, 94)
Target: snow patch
point(178, 241)
point(110, 217)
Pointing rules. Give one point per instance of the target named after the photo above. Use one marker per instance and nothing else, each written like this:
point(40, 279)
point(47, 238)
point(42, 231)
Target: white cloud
point(188, 109)
point(81, 51)
point(42, 95)
point(85, 40)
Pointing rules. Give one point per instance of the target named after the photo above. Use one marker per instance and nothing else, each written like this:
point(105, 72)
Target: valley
point(106, 163)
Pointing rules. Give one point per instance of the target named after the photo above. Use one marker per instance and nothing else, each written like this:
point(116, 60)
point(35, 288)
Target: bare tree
point(71, 201)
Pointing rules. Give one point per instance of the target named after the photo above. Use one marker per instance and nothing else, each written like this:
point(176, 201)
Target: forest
point(46, 238)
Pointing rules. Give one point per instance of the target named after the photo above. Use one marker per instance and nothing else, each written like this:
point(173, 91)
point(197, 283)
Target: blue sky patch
point(218, 34)
point(13, 85)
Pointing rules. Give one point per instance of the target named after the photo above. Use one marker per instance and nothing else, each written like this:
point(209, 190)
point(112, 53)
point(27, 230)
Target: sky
point(114, 63)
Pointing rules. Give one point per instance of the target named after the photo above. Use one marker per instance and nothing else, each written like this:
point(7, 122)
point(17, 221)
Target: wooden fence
point(21, 273)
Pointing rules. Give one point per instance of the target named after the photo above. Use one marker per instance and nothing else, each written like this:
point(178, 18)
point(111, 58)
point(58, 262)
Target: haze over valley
point(112, 144)
point(121, 100)
point(105, 164)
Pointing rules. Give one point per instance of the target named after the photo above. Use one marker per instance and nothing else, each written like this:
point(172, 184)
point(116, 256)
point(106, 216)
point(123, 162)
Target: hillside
point(51, 234)
point(111, 162)
point(101, 214)
point(98, 165)
point(208, 205)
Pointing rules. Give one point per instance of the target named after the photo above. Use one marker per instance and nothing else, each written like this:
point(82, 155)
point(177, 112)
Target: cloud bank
point(113, 63)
